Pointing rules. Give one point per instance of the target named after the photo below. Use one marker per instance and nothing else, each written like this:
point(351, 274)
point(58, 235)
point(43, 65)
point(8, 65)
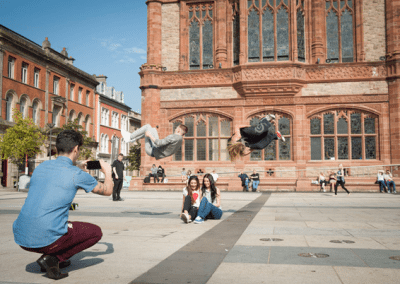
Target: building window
point(80, 119)
point(339, 30)
point(9, 107)
point(24, 73)
point(11, 64)
point(114, 120)
point(201, 36)
point(56, 115)
point(87, 98)
point(269, 30)
point(80, 95)
point(71, 93)
point(22, 107)
point(105, 116)
point(277, 150)
point(236, 31)
point(104, 143)
point(124, 123)
point(206, 139)
point(35, 112)
point(71, 116)
point(87, 124)
point(36, 78)
point(56, 85)
point(344, 135)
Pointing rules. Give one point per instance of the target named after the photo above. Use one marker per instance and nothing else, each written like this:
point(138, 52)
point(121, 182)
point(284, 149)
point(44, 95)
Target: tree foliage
point(134, 157)
point(23, 139)
point(86, 152)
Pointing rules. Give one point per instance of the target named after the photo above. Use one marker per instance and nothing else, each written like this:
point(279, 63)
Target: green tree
point(134, 157)
point(86, 151)
point(21, 140)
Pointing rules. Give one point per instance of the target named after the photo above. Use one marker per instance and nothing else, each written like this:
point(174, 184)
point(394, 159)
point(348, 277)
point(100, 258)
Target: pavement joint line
point(205, 251)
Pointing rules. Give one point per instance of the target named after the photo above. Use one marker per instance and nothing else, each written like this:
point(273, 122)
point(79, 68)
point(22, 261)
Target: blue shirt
point(44, 217)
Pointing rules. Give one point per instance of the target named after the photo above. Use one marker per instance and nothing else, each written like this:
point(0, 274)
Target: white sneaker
point(198, 220)
point(270, 117)
point(185, 218)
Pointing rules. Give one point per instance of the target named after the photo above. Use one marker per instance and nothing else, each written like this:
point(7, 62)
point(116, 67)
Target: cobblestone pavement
point(261, 238)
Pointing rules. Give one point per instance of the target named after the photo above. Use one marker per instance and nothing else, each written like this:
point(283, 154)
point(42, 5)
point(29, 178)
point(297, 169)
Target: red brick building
point(44, 85)
point(329, 70)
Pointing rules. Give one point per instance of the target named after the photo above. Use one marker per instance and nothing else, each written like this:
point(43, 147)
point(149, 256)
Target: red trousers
point(78, 238)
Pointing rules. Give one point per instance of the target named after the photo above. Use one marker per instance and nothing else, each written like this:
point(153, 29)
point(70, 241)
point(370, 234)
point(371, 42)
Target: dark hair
point(120, 154)
point(189, 189)
point(184, 128)
point(67, 140)
point(212, 186)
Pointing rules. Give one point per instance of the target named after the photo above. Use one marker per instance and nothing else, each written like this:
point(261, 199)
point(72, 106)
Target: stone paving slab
point(144, 231)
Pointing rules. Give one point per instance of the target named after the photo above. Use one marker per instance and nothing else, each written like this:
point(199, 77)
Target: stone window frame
point(56, 85)
point(87, 98)
point(72, 92)
point(87, 124)
point(203, 117)
point(25, 110)
point(346, 114)
point(10, 105)
point(72, 115)
point(275, 123)
point(80, 95)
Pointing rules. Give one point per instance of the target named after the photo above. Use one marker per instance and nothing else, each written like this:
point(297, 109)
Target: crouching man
point(42, 225)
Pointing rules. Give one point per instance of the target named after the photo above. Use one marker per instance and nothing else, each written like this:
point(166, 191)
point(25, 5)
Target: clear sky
point(104, 37)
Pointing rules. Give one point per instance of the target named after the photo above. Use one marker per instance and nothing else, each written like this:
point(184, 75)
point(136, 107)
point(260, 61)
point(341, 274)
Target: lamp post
point(50, 125)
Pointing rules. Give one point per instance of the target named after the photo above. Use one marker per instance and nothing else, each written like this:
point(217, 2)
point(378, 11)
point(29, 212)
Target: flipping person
point(251, 138)
point(155, 147)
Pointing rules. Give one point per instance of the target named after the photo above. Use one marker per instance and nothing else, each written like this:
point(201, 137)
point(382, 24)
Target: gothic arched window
point(340, 30)
point(201, 51)
point(206, 139)
point(344, 135)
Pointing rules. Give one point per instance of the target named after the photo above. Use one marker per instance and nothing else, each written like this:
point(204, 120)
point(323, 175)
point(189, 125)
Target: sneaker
point(270, 117)
point(198, 220)
point(185, 218)
point(280, 136)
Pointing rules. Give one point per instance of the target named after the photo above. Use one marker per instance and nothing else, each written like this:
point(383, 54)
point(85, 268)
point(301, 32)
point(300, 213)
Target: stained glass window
point(340, 143)
point(270, 152)
point(342, 51)
point(201, 37)
point(284, 149)
point(236, 32)
point(301, 52)
point(253, 36)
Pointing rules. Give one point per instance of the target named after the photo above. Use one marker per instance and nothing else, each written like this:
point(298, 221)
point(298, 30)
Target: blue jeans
point(382, 185)
point(255, 184)
point(246, 183)
point(391, 183)
point(206, 209)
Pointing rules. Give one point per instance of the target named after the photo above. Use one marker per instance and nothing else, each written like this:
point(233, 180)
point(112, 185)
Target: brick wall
point(374, 29)
point(170, 36)
point(198, 94)
point(346, 88)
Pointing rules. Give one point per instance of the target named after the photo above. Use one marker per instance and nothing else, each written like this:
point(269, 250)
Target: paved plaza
point(261, 238)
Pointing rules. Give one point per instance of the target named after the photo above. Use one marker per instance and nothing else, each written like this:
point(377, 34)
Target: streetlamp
point(50, 125)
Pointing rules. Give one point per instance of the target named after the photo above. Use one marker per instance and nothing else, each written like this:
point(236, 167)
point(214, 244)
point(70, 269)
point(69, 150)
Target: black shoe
point(50, 264)
point(120, 199)
point(60, 264)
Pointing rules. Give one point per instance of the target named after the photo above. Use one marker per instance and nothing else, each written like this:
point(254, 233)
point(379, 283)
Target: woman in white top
point(389, 181)
point(381, 181)
point(210, 205)
point(191, 200)
point(322, 181)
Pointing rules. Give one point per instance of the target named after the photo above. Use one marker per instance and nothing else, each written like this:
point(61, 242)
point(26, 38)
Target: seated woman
point(210, 205)
point(381, 181)
point(332, 180)
point(250, 138)
point(389, 181)
point(191, 200)
point(322, 181)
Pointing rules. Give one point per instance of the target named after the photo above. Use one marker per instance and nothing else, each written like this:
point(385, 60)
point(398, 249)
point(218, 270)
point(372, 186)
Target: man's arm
point(115, 172)
point(105, 188)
